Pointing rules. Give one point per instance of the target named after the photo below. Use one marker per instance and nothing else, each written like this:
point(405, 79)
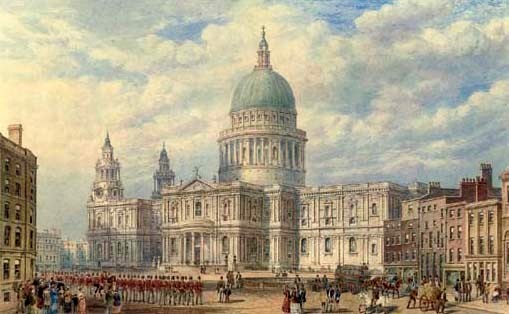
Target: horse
point(391, 287)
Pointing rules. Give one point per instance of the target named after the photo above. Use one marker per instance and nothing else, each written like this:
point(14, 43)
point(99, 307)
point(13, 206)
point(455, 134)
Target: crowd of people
point(49, 295)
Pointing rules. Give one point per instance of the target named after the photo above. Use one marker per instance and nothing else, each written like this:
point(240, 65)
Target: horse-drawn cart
point(352, 277)
point(428, 296)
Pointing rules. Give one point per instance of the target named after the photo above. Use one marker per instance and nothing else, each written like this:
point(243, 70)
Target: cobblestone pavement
point(269, 302)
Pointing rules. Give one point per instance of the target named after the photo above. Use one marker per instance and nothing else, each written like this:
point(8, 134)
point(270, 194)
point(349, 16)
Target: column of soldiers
point(161, 290)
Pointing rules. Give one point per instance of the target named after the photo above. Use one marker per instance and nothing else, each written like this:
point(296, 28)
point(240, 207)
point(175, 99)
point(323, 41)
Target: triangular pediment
point(196, 185)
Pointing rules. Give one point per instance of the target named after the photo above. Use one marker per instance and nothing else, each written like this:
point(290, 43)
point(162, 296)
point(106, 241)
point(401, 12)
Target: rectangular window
point(18, 189)
point(470, 218)
point(7, 269)
point(459, 212)
point(17, 269)
point(491, 245)
point(460, 232)
point(430, 239)
point(481, 218)
point(460, 255)
point(414, 237)
point(481, 245)
point(17, 213)
point(471, 246)
point(6, 210)
point(451, 213)
point(451, 233)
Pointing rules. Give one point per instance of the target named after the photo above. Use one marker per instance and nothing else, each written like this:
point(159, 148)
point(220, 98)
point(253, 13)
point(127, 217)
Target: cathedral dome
point(263, 88)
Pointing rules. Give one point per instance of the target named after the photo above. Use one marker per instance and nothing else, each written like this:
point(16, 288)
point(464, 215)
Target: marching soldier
point(198, 292)
point(189, 291)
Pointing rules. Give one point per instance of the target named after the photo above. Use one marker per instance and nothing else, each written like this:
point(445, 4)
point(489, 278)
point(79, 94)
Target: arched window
point(352, 245)
point(304, 246)
point(17, 237)
point(328, 245)
point(119, 249)
point(197, 209)
point(7, 236)
point(225, 245)
point(119, 220)
point(99, 222)
point(274, 153)
point(374, 249)
point(374, 209)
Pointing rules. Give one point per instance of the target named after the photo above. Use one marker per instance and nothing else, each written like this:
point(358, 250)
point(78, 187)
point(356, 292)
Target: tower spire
point(107, 141)
point(263, 53)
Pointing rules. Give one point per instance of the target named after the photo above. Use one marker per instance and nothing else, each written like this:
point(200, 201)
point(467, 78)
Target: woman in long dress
point(82, 304)
point(286, 301)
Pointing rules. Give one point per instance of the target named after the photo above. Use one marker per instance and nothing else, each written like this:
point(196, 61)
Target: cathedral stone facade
point(121, 231)
point(260, 214)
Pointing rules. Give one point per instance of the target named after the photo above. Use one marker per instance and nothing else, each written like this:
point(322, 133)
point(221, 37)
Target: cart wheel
point(362, 308)
point(423, 304)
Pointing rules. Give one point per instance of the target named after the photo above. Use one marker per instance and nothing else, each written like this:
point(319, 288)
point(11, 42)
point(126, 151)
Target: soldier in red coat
point(198, 291)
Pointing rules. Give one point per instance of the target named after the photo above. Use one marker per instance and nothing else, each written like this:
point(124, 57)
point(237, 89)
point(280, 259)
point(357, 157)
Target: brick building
point(18, 178)
point(484, 241)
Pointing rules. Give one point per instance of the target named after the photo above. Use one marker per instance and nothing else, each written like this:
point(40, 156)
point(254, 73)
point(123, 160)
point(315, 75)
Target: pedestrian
point(337, 296)
point(486, 293)
point(47, 299)
point(220, 289)
point(227, 293)
point(294, 301)
point(441, 301)
point(286, 301)
point(468, 288)
point(412, 298)
point(82, 304)
point(323, 301)
point(302, 296)
point(456, 290)
point(108, 301)
point(67, 301)
point(117, 306)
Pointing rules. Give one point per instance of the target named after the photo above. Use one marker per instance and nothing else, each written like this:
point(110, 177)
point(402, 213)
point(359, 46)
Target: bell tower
point(107, 184)
point(164, 175)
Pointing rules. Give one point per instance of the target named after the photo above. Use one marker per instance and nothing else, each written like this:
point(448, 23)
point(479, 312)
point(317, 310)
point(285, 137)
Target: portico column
point(192, 248)
point(184, 261)
point(210, 248)
point(202, 248)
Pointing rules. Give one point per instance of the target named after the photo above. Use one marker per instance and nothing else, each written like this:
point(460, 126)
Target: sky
point(399, 90)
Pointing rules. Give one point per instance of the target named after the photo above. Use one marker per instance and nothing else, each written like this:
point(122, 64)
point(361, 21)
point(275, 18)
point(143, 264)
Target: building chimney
point(487, 174)
point(16, 133)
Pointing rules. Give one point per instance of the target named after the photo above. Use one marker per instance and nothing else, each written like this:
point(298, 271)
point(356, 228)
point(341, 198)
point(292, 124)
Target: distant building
point(49, 250)
point(121, 231)
point(18, 214)
point(434, 225)
point(75, 255)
